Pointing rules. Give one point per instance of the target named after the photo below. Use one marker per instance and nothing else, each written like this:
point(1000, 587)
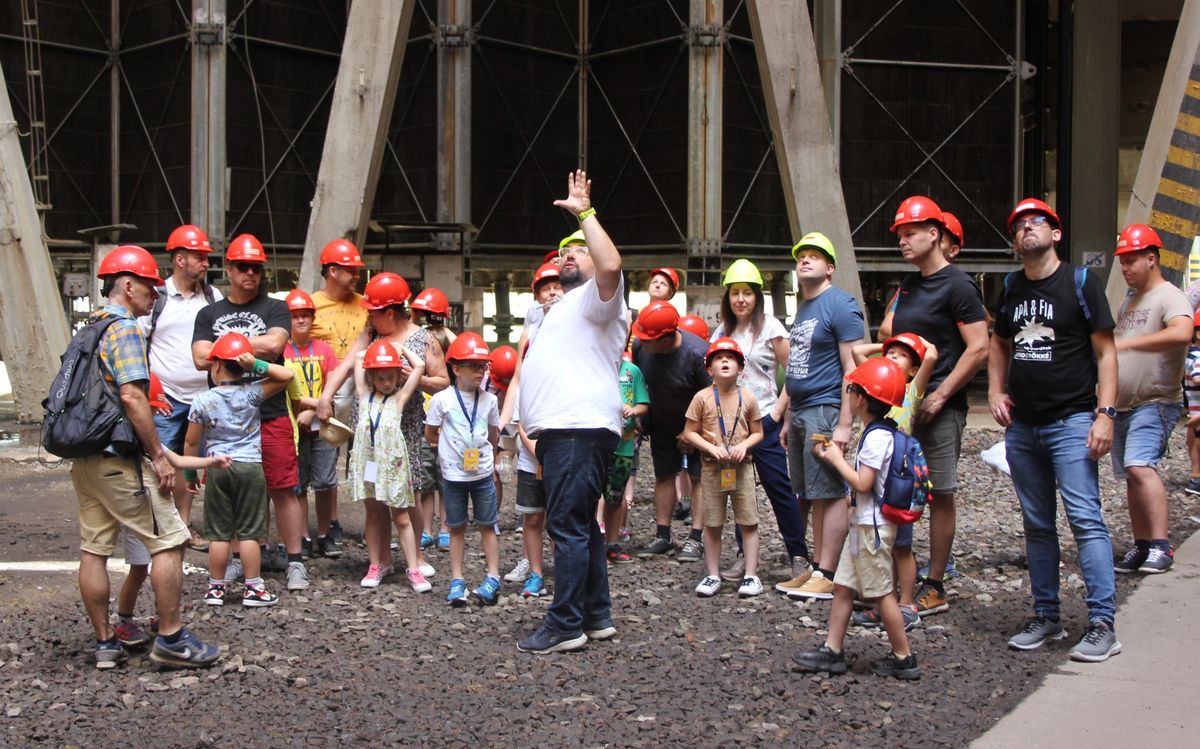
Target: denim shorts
point(482, 494)
point(904, 536)
point(173, 427)
point(317, 463)
point(1140, 435)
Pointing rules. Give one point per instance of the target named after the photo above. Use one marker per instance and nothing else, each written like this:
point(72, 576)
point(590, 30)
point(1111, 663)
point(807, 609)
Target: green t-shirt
point(633, 392)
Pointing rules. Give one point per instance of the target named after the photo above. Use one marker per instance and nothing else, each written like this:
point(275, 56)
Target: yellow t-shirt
point(338, 323)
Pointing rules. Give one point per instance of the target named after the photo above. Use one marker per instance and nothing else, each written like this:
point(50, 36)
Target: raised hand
point(579, 193)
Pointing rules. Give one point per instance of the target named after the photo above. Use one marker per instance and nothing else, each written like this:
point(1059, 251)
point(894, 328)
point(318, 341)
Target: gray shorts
point(812, 478)
point(941, 440)
point(429, 461)
point(317, 463)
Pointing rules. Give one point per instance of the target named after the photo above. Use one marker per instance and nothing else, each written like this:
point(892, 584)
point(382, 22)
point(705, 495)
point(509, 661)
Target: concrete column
point(454, 41)
point(472, 300)
point(208, 38)
point(705, 301)
point(33, 327)
point(827, 33)
point(706, 57)
point(364, 96)
point(1091, 217)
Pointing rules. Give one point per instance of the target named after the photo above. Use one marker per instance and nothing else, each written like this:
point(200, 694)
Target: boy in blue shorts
point(463, 425)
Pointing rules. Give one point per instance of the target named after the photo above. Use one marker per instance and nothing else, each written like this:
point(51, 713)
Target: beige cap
point(335, 432)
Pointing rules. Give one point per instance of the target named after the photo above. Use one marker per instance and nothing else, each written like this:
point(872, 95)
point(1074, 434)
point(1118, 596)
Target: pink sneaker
point(374, 577)
point(418, 582)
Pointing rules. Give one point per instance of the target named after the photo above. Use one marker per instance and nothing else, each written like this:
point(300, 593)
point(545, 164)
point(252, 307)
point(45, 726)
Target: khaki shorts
point(745, 506)
point(110, 495)
point(870, 572)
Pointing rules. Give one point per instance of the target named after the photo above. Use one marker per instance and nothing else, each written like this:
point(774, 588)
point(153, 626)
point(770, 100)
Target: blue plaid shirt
point(123, 350)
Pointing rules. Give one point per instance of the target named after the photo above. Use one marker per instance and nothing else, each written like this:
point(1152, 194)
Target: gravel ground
point(340, 664)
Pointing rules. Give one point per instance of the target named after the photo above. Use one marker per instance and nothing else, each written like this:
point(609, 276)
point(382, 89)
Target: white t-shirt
point(456, 433)
point(569, 376)
point(758, 376)
point(171, 347)
point(876, 452)
point(526, 460)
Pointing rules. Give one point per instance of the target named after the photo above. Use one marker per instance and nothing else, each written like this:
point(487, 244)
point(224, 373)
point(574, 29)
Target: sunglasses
point(1031, 222)
point(248, 267)
point(474, 366)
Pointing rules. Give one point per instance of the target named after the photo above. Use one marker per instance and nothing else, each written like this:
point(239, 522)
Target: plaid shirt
point(123, 350)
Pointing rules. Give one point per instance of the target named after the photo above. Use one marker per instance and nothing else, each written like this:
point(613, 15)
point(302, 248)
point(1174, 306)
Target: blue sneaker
point(444, 541)
point(535, 586)
point(458, 593)
point(426, 540)
point(488, 591)
point(951, 570)
point(109, 654)
point(544, 641)
point(187, 652)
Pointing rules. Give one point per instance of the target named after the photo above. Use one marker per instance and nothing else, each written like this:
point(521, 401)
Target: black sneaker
point(306, 548)
point(1157, 561)
point(335, 532)
point(683, 510)
point(324, 546)
point(899, 668)
point(656, 548)
point(821, 659)
point(692, 551)
point(1193, 485)
point(1131, 561)
point(544, 641)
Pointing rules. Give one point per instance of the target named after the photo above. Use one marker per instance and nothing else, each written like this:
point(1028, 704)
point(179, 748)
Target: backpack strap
point(1080, 280)
point(159, 303)
point(1008, 279)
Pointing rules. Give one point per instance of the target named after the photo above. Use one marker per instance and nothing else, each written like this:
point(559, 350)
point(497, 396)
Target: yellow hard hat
point(742, 271)
point(572, 239)
point(817, 241)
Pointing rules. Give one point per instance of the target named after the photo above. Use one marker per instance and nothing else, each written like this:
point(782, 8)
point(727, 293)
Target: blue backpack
point(907, 489)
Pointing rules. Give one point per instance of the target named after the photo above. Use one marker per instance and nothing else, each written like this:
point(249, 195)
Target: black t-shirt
point(254, 318)
point(1053, 372)
point(672, 380)
point(934, 307)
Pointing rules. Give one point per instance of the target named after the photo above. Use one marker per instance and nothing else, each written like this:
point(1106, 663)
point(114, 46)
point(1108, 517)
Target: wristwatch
point(1108, 411)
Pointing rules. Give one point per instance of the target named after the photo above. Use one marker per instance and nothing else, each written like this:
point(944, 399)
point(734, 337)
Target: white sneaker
point(520, 573)
point(751, 586)
point(709, 586)
point(373, 577)
point(418, 582)
point(297, 576)
point(427, 569)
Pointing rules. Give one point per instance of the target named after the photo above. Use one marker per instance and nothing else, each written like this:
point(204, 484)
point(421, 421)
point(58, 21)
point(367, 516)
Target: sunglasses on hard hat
point(1030, 222)
point(248, 267)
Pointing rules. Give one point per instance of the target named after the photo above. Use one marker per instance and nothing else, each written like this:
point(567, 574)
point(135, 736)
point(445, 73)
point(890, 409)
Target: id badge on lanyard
point(470, 456)
point(470, 459)
point(728, 478)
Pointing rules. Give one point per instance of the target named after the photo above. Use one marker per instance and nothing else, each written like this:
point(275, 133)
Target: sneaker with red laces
point(617, 555)
point(215, 595)
point(418, 582)
point(131, 635)
point(256, 597)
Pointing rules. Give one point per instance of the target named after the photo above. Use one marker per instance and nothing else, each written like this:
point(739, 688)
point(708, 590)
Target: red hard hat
point(384, 290)
point(954, 226)
point(694, 324)
point(725, 343)
point(504, 365)
point(468, 347)
point(381, 355)
point(230, 346)
point(1137, 237)
point(910, 340)
point(545, 272)
point(129, 258)
point(671, 275)
point(656, 320)
point(189, 237)
point(432, 301)
point(341, 252)
point(245, 248)
point(1033, 205)
point(916, 210)
point(882, 379)
point(158, 398)
point(550, 256)
point(298, 299)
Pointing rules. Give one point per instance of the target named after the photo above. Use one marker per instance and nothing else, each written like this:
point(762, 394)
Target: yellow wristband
point(586, 214)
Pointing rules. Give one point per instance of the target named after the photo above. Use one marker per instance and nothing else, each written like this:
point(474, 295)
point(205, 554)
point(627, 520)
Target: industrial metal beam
point(454, 39)
point(804, 147)
point(209, 36)
point(33, 328)
point(706, 58)
point(363, 99)
point(1166, 191)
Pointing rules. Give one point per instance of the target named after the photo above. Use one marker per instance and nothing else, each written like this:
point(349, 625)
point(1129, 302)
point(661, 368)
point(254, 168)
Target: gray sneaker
point(657, 547)
point(736, 571)
point(1099, 643)
point(297, 576)
point(691, 551)
point(234, 570)
point(1035, 634)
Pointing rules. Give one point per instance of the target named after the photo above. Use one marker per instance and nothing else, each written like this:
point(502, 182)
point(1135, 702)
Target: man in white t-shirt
point(570, 405)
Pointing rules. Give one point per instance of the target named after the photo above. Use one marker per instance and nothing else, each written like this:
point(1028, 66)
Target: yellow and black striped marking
point(1175, 212)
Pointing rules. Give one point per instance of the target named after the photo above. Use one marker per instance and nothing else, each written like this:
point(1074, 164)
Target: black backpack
point(84, 414)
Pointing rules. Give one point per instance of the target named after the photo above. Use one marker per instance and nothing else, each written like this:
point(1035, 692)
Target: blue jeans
point(770, 460)
point(1140, 436)
point(173, 428)
point(1040, 457)
point(575, 466)
point(482, 495)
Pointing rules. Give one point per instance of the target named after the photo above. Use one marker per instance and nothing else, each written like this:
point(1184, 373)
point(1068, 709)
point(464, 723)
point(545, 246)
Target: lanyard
point(727, 436)
point(306, 366)
point(373, 421)
point(223, 383)
point(474, 410)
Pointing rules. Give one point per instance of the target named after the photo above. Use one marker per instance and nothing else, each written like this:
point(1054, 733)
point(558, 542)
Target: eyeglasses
point(855, 389)
point(474, 366)
point(249, 267)
point(578, 249)
point(1031, 222)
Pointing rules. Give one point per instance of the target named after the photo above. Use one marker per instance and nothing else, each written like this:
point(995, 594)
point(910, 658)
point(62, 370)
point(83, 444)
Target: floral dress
point(413, 423)
point(389, 451)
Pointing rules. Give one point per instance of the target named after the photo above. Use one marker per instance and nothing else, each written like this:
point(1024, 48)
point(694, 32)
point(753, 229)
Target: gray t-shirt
point(1150, 376)
point(230, 417)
